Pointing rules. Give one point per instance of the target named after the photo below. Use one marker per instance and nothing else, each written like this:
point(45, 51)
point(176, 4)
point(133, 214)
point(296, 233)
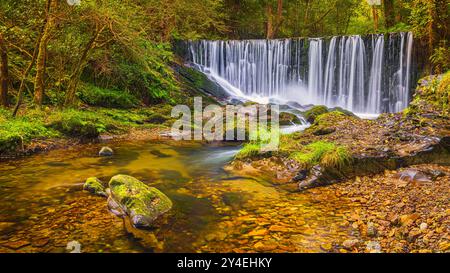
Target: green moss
point(17, 131)
point(314, 112)
point(329, 118)
point(9, 142)
point(286, 118)
point(157, 118)
point(327, 154)
point(96, 96)
point(443, 93)
point(94, 186)
point(77, 123)
point(249, 150)
point(142, 203)
point(432, 91)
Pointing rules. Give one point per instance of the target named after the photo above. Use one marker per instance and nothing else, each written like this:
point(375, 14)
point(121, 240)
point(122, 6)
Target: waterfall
point(364, 74)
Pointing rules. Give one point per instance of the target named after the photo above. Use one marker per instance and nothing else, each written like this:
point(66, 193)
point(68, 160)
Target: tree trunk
point(3, 72)
point(75, 77)
point(389, 16)
point(273, 27)
point(39, 87)
point(269, 33)
point(375, 18)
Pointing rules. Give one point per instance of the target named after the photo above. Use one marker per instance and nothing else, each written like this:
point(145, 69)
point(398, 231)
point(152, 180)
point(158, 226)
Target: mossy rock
point(94, 186)
point(76, 127)
point(311, 114)
point(10, 143)
point(329, 118)
point(157, 118)
point(286, 118)
point(143, 204)
point(321, 131)
point(343, 111)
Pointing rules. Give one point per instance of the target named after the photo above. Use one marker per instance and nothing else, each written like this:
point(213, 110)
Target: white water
point(367, 75)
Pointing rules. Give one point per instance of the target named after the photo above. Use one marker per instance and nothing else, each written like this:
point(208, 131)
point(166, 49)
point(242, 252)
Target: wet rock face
point(286, 118)
point(94, 186)
point(143, 204)
point(105, 151)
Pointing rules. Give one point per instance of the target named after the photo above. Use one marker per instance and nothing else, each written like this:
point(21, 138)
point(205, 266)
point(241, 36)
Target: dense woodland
point(58, 54)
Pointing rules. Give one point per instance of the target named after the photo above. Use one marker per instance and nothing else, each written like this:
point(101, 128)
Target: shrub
point(327, 154)
point(9, 142)
point(96, 96)
point(77, 123)
point(249, 150)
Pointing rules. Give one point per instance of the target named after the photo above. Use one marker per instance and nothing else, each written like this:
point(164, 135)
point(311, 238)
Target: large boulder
point(286, 118)
point(317, 110)
point(143, 204)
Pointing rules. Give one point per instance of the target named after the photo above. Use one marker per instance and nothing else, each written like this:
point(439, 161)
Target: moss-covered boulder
point(143, 204)
point(343, 111)
point(9, 143)
point(94, 186)
point(157, 118)
point(311, 114)
point(75, 127)
point(286, 118)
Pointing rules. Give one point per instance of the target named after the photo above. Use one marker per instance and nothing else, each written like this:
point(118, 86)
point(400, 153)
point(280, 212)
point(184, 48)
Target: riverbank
point(35, 131)
point(339, 146)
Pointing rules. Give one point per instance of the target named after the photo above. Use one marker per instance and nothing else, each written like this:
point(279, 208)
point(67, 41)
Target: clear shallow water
point(44, 207)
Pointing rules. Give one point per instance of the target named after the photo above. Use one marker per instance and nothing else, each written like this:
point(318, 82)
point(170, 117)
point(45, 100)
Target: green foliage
point(443, 93)
point(249, 150)
point(27, 127)
point(259, 140)
point(329, 118)
point(440, 58)
point(16, 131)
point(96, 96)
point(77, 123)
point(336, 158)
point(327, 154)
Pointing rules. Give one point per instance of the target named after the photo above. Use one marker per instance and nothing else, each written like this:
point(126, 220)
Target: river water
point(44, 207)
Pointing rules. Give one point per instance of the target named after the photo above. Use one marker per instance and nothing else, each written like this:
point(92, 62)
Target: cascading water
point(364, 74)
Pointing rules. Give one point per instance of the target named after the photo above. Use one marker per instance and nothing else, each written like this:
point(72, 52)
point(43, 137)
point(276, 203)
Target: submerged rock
point(94, 186)
point(373, 247)
point(412, 175)
point(105, 151)
point(143, 204)
point(350, 244)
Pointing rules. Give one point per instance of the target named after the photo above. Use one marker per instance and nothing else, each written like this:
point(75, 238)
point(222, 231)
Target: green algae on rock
point(94, 186)
point(143, 204)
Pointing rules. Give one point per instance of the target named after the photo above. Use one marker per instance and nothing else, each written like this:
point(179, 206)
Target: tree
point(274, 21)
point(389, 16)
point(39, 86)
point(4, 76)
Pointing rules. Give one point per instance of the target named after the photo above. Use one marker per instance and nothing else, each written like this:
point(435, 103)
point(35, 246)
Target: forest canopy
point(59, 52)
